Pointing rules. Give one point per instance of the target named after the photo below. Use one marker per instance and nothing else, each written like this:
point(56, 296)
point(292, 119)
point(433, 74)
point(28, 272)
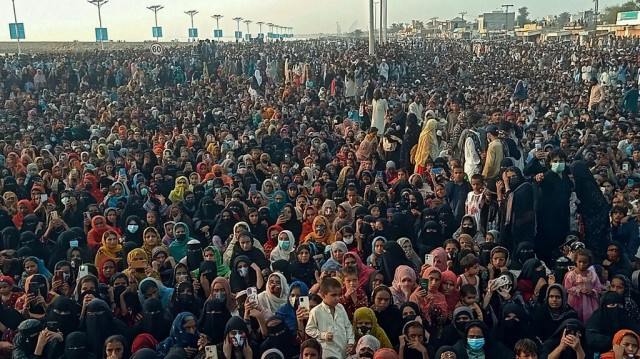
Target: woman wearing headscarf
point(278, 336)
point(223, 269)
point(404, 282)
point(139, 273)
point(304, 267)
point(322, 233)
point(455, 330)
point(513, 325)
point(221, 289)
point(35, 308)
point(276, 293)
point(99, 324)
point(245, 247)
point(272, 239)
point(622, 285)
point(366, 323)
point(245, 274)
point(477, 343)
point(210, 323)
point(532, 280)
point(24, 209)
point(268, 189)
point(27, 345)
point(98, 228)
point(285, 248)
point(432, 302)
point(75, 347)
point(178, 247)
point(288, 311)
point(337, 251)
point(593, 207)
point(177, 194)
point(110, 248)
point(427, 146)
point(429, 236)
point(558, 342)
point(517, 215)
point(184, 333)
point(277, 205)
point(410, 139)
point(410, 253)
point(152, 288)
point(623, 339)
point(392, 258)
point(63, 315)
point(606, 321)
point(106, 270)
point(387, 314)
point(153, 320)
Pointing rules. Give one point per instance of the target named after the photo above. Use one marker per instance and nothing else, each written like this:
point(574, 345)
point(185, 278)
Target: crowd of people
point(303, 199)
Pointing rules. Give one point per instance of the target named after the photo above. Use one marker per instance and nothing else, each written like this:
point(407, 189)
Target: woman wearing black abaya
point(99, 324)
point(517, 215)
point(593, 208)
point(153, 320)
point(555, 342)
point(10, 238)
point(75, 347)
point(429, 237)
point(512, 325)
point(387, 314)
point(553, 211)
point(133, 230)
point(410, 139)
point(392, 258)
point(26, 341)
point(606, 321)
point(29, 239)
point(215, 313)
point(63, 315)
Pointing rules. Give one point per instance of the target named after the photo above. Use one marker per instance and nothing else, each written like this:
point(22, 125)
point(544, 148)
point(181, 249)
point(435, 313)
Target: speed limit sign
point(156, 49)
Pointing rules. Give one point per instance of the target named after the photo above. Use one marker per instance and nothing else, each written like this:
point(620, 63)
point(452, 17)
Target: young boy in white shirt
point(329, 324)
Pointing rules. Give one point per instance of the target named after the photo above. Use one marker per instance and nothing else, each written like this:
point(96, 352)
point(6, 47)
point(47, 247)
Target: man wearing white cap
point(383, 70)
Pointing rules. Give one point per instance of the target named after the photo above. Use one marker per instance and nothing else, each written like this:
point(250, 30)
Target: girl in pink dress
point(583, 286)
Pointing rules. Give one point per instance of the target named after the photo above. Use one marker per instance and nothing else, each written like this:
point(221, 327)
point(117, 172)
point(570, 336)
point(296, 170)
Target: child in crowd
point(471, 266)
point(475, 198)
point(329, 322)
point(352, 297)
point(583, 286)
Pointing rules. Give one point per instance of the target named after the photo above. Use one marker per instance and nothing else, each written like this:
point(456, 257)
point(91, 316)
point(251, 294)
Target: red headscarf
point(19, 218)
point(94, 237)
point(363, 271)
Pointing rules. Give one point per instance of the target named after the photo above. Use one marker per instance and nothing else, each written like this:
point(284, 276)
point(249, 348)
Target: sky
point(130, 20)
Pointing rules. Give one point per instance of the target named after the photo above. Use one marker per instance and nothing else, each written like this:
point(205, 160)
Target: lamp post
point(372, 40)
point(97, 3)
point(260, 26)
point(191, 13)
point(217, 17)
point(270, 28)
point(248, 22)
point(237, 20)
point(155, 9)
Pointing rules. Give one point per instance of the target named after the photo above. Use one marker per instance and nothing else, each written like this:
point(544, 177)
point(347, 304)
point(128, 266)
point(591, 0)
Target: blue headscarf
point(275, 208)
point(42, 269)
point(164, 292)
point(178, 336)
point(287, 311)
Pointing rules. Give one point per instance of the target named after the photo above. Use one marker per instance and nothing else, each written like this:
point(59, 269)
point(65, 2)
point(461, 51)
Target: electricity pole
point(462, 14)
point(595, 14)
point(97, 3)
point(506, 18)
point(155, 9)
point(260, 25)
point(191, 13)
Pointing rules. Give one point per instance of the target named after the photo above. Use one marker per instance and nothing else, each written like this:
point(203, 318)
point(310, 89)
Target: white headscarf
point(271, 302)
point(258, 77)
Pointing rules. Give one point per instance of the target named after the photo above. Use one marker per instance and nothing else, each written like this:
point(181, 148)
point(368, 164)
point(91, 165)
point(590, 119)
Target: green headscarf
point(223, 269)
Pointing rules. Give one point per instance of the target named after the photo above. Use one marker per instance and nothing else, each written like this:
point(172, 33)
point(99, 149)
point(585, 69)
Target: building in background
point(496, 22)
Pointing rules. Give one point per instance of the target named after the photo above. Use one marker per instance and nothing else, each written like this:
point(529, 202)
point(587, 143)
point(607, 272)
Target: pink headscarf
point(402, 271)
point(386, 353)
point(441, 254)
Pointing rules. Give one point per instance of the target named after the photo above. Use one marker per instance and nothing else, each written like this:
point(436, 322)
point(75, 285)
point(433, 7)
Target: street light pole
point(270, 27)
point(15, 18)
point(155, 9)
point(191, 13)
point(237, 20)
point(98, 4)
point(372, 40)
point(260, 25)
point(217, 17)
point(248, 22)
point(506, 18)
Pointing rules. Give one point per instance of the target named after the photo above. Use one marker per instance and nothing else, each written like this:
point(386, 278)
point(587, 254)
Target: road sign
point(217, 33)
point(193, 32)
point(101, 34)
point(156, 49)
point(157, 31)
point(238, 34)
point(16, 31)
point(260, 36)
point(247, 37)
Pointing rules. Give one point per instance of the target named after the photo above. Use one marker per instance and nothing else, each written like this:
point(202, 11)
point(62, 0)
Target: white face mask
point(347, 239)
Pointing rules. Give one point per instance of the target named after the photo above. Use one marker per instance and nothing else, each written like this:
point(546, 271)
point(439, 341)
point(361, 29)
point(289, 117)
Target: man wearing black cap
point(495, 153)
